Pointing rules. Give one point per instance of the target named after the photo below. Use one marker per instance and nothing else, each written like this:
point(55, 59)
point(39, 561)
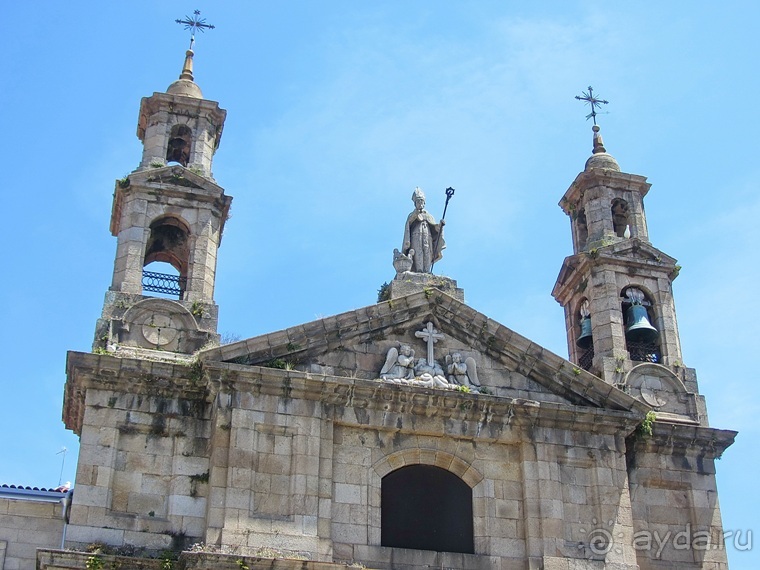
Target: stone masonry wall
point(675, 501)
point(142, 473)
point(26, 526)
point(243, 457)
point(303, 475)
point(268, 475)
point(528, 499)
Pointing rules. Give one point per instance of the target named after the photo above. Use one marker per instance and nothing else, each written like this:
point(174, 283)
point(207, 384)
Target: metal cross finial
point(195, 23)
point(594, 102)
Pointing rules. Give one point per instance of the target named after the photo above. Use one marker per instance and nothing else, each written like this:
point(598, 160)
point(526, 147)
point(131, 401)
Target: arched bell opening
point(620, 218)
point(168, 247)
point(581, 229)
point(180, 143)
point(584, 339)
point(424, 507)
point(642, 339)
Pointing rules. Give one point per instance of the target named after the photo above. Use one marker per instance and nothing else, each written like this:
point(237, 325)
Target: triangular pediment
point(623, 255)
point(173, 175)
point(172, 184)
point(638, 250)
point(360, 344)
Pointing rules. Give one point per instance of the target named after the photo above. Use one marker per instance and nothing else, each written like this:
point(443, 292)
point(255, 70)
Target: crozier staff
point(449, 194)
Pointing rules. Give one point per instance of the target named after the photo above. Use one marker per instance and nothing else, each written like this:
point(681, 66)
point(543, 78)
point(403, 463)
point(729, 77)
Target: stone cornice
point(125, 375)
point(181, 105)
point(476, 412)
point(590, 398)
point(133, 376)
point(692, 439)
point(602, 177)
point(166, 176)
point(164, 180)
point(50, 559)
point(620, 256)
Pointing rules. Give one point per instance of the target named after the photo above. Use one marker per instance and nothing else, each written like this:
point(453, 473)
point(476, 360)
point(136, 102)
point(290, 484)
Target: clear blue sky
point(337, 110)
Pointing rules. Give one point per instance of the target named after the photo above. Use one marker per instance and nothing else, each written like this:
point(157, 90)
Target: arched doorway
point(426, 508)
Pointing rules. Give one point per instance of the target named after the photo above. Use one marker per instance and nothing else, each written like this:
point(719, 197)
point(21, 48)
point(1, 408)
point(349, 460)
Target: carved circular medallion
point(649, 389)
point(160, 329)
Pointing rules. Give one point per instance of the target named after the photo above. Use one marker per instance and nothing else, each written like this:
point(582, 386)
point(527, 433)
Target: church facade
point(413, 433)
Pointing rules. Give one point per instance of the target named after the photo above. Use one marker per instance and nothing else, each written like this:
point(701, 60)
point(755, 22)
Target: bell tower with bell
point(616, 288)
point(168, 217)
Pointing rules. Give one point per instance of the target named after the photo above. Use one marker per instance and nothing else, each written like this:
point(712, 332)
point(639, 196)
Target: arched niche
point(169, 242)
point(581, 228)
point(180, 144)
point(620, 216)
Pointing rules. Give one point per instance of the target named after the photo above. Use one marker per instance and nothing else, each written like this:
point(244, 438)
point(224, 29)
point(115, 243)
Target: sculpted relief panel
point(401, 367)
point(660, 388)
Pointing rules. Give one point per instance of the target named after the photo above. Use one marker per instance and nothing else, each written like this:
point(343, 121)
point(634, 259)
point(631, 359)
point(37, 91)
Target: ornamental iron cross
point(430, 336)
point(195, 23)
point(593, 101)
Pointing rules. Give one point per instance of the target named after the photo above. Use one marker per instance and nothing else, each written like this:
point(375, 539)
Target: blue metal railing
point(163, 283)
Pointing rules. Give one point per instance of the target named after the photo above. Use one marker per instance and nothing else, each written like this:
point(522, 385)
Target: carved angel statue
point(399, 363)
point(462, 373)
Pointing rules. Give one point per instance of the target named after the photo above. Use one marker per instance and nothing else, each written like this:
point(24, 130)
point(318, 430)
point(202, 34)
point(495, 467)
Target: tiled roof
point(63, 489)
point(21, 493)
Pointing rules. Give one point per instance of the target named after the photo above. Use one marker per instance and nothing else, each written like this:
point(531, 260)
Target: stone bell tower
point(168, 210)
point(616, 288)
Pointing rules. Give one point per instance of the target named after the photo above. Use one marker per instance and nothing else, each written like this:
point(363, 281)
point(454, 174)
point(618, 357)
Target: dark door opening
point(426, 508)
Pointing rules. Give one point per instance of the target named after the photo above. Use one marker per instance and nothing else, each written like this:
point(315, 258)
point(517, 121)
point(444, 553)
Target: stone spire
point(600, 158)
point(598, 142)
point(181, 108)
point(186, 85)
point(187, 69)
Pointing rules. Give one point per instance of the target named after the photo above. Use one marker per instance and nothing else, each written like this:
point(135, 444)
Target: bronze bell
point(584, 341)
point(637, 327)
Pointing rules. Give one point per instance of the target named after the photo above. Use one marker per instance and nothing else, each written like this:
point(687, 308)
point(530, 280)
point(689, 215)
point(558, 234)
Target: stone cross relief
point(401, 367)
point(430, 336)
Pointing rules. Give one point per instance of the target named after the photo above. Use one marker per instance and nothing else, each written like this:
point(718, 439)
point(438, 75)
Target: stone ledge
point(403, 559)
point(126, 375)
point(670, 438)
point(386, 398)
point(48, 559)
